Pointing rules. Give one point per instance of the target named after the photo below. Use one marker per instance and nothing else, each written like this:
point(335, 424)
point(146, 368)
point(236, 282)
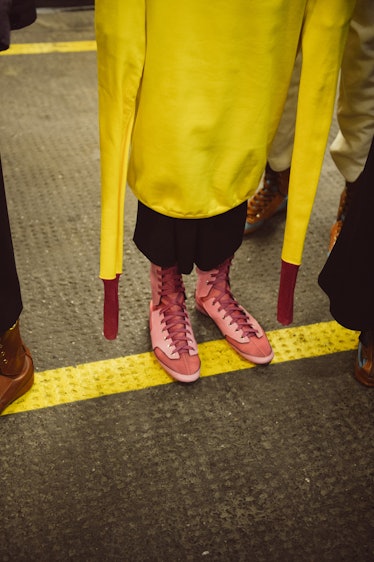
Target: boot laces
point(261, 199)
point(265, 195)
point(224, 297)
point(173, 308)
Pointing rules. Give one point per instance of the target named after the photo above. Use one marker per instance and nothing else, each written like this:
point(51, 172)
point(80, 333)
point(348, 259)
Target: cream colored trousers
point(355, 105)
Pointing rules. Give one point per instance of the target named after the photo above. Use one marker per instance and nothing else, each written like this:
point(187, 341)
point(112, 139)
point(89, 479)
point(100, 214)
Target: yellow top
point(190, 96)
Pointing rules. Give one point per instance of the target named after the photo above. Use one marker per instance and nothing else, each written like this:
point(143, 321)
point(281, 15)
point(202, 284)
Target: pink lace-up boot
point(241, 330)
point(172, 338)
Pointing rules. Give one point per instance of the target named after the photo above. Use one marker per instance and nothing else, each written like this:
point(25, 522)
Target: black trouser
point(10, 294)
point(348, 274)
point(167, 241)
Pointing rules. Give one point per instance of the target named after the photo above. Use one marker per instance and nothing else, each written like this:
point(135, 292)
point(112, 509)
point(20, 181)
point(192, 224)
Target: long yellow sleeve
point(323, 39)
point(322, 43)
point(120, 35)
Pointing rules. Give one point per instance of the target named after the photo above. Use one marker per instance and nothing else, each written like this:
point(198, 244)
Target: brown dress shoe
point(270, 199)
point(364, 368)
point(16, 367)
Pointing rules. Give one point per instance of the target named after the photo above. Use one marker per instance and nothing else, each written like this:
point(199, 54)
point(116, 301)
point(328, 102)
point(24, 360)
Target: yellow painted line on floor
point(136, 372)
point(43, 48)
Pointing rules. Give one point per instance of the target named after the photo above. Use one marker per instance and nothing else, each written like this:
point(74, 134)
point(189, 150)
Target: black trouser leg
point(10, 294)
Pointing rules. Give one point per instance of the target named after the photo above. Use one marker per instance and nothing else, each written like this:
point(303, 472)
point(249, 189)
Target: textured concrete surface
point(270, 464)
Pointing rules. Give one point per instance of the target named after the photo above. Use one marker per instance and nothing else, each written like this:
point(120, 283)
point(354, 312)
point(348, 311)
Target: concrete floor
point(261, 464)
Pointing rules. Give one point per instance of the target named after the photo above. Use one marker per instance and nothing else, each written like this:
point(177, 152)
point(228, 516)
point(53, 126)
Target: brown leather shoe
point(345, 199)
point(364, 368)
point(270, 199)
point(16, 367)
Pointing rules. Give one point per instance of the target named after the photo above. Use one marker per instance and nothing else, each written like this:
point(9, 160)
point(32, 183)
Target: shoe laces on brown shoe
point(269, 198)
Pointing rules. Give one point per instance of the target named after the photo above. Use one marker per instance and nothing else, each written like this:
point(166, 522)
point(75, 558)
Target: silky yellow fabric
point(322, 43)
point(190, 96)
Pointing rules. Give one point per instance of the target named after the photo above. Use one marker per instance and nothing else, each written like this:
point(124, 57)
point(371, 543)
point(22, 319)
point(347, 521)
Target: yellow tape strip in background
point(135, 372)
point(43, 48)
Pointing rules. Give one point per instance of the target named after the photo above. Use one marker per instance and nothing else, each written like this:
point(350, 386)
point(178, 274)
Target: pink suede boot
point(241, 330)
point(172, 338)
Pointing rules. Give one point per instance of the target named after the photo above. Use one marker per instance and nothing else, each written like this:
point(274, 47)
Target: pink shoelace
point(173, 308)
point(220, 282)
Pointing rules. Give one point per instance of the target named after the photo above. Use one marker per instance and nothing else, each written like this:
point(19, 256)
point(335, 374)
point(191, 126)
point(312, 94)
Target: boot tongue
point(220, 291)
point(176, 299)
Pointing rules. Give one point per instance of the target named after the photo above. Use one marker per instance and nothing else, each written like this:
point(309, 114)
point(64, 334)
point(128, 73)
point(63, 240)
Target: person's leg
point(16, 365)
point(10, 294)
point(355, 112)
point(213, 293)
point(271, 197)
point(347, 276)
point(209, 243)
point(173, 341)
point(280, 153)
point(172, 337)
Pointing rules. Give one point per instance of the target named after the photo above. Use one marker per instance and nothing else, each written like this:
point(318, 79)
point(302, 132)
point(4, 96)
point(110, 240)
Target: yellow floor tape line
point(43, 48)
point(135, 372)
